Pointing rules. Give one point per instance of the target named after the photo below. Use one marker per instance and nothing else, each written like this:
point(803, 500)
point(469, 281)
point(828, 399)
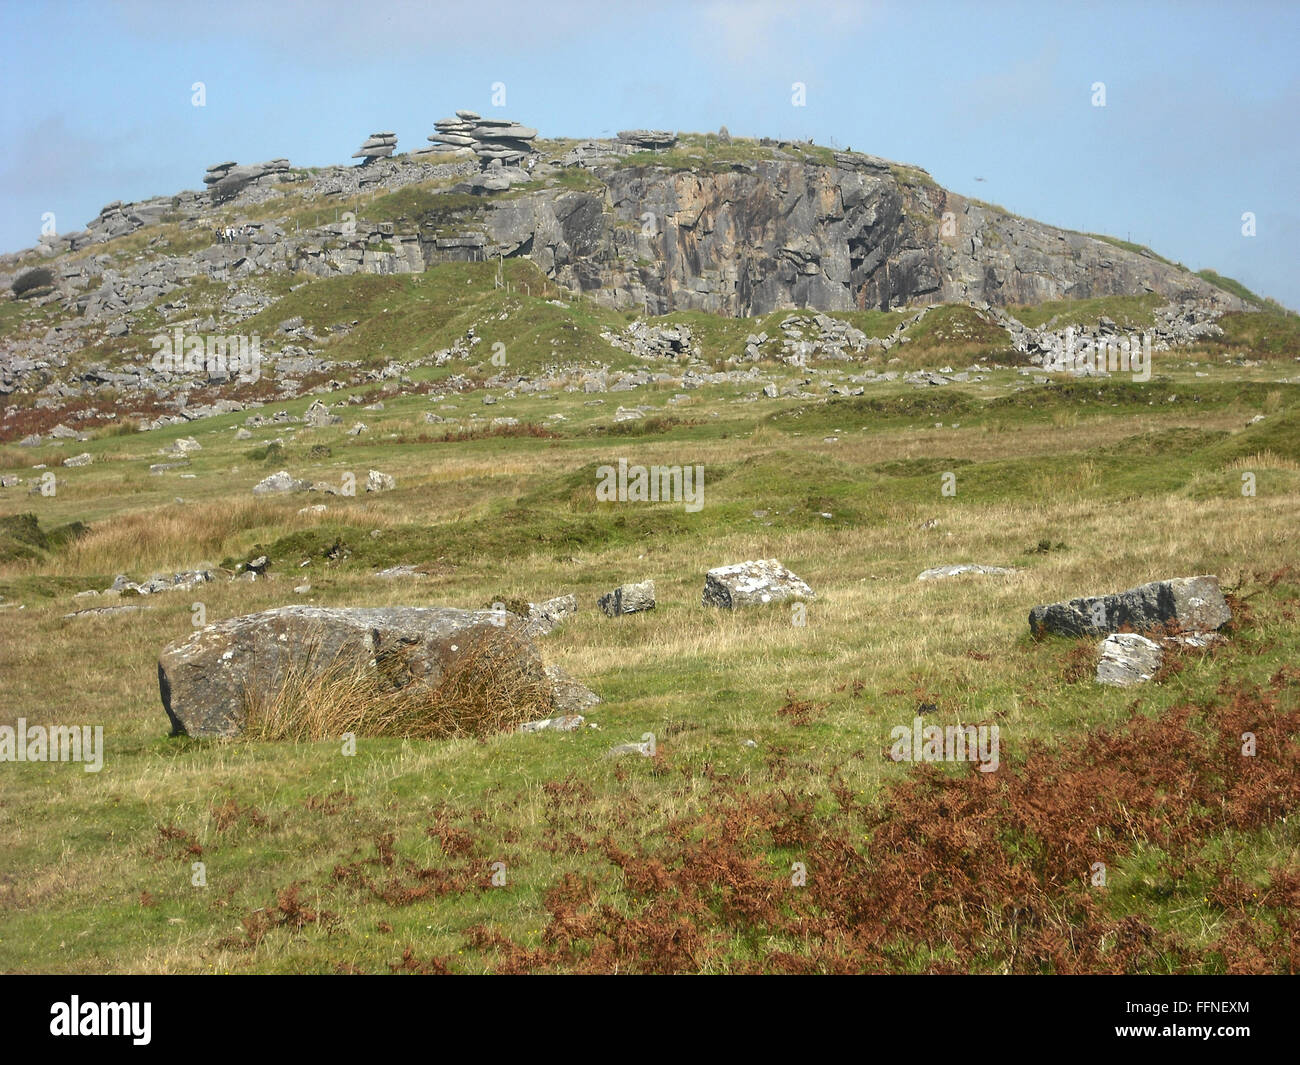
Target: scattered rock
point(1127, 658)
point(751, 584)
point(84, 459)
point(543, 617)
point(652, 139)
point(646, 748)
point(203, 678)
point(281, 482)
point(1195, 604)
point(628, 599)
point(940, 572)
point(570, 695)
point(379, 482)
point(563, 723)
point(406, 569)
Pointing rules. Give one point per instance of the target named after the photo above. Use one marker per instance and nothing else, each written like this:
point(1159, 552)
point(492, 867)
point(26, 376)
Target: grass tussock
point(491, 686)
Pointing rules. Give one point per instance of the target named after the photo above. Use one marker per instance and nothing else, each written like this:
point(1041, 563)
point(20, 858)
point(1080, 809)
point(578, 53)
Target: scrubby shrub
point(32, 280)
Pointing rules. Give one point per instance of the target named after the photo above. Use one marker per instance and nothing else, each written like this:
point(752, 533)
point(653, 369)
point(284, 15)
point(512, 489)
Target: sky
point(998, 101)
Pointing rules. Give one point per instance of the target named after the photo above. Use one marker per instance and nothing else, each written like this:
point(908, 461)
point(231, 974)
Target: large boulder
point(752, 584)
point(1194, 604)
point(204, 679)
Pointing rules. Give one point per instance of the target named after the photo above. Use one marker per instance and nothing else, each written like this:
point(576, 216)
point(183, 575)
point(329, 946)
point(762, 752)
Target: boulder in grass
point(563, 723)
point(281, 481)
point(207, 680)
point(1127, 659)
point(628, 599)
point(753, 584)
point(570, 694)
point(380, 482)
point(940, 572)
point(543, 617)
point(1193, 604)
point(84, 459)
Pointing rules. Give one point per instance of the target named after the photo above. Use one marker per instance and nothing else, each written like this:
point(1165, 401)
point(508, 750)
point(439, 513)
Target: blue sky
point(1200, 122)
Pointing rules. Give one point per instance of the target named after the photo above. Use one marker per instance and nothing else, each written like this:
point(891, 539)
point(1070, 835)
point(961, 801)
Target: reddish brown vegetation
point(288, 912)
point(969, 872)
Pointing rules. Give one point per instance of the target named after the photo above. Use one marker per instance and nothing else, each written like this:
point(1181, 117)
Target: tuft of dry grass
point(492, 686)
point(1264, 460)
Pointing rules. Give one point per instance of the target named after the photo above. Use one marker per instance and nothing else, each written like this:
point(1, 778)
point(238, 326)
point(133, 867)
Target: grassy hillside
point(772, 736)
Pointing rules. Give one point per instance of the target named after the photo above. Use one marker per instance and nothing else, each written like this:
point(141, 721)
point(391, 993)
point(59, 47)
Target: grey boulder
point(204, 678)
point(280, 482)
point(628, 599)
point(1194, 604)
point(753, 584)
point(1127, 659)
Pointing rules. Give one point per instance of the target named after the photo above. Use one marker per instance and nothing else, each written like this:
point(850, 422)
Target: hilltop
point(708, 229)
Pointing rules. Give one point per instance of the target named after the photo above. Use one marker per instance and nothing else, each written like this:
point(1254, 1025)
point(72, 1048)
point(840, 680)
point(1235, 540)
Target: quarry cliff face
point(843, 231)
point(862, 234)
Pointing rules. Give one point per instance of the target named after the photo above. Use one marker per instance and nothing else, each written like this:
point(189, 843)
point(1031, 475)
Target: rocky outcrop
point(224, 180)
point(490, 139)
point(376, 146)
point(1191, 604)
point(859, 234)
point(652, 139)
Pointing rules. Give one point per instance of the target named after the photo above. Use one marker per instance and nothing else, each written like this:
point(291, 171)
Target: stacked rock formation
point(377, 146)
point(491, 139)
point(226, 179)
point(648, 138)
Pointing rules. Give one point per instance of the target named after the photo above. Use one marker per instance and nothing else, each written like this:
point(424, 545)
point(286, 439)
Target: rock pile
point(491, 139)
point(1176, 324)
point(654, 341)
point(182, 581)
point(376, 146)
point(648, 138)
point(226, 179)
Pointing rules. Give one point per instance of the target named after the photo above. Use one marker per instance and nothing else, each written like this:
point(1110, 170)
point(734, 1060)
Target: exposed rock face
point(753, 584)
point(859, 234)
point(1127, 659)
point(628, 599)
point(203, 679)
point(1195, 604)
